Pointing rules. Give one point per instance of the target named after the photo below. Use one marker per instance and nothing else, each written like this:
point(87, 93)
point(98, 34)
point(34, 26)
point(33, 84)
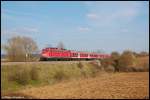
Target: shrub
point(133, 69)
point(127, 62)
point(97, 65)
point(115, 55)
point(60, 75)
point(126, 59)
point(34, 73)
point(21, 75)
point(80, 65)
point(109, 64)
point(109, 68)
point(107, 61)
point(124, 69)
point(143, 53)
point(94, 72)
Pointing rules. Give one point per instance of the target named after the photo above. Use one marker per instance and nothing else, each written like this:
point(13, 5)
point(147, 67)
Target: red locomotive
point(63, 54)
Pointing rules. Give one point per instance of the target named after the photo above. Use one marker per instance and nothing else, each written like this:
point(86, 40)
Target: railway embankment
point(18, 75)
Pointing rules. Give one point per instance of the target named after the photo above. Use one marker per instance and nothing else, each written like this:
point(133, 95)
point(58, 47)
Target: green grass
point(15, 77)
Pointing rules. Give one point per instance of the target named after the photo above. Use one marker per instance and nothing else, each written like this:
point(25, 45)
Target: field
point(71, 80)
point(119, 85)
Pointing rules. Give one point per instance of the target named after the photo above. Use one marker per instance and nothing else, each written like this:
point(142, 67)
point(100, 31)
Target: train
point(60, 54)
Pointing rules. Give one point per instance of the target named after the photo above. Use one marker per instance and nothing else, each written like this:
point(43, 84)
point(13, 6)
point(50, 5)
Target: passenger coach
point(63, 54)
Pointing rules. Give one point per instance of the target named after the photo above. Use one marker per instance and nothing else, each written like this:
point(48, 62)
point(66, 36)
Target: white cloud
point(92, 16)
point(109, 13)
point(83, 29)
point(25, 31)
point(29, 30)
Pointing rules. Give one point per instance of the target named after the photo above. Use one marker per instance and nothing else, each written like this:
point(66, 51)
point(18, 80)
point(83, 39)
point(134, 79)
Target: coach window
point(75, 54)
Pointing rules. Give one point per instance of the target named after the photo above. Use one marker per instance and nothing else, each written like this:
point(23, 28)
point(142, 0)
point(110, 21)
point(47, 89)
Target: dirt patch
point(133, 85)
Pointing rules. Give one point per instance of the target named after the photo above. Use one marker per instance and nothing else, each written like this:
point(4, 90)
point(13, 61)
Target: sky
point(81, 25)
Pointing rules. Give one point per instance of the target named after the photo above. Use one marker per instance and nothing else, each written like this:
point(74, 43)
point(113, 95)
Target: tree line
point(22, 49)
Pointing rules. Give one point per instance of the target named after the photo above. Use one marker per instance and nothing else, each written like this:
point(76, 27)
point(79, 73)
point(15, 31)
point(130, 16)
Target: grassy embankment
point(14, 77)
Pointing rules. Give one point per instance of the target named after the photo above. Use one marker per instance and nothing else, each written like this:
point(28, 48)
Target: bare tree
point(19, 48)
point(48, 45)
point(60, 45)
point(115, 55)
point(143, 53)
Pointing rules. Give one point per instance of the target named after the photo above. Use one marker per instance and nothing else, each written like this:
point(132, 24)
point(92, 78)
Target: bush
point(126, 62)
point(126, 59)
point(107, 61)
point(115, 55)
point(80, 65)
point(109, 68)
point(16, 76)
point(143, 53)
point(60, 75)
point(21, 76)
point(34, 73)
point(126, 69)
point(97, 65)
point(109, 65)
point(94, 72)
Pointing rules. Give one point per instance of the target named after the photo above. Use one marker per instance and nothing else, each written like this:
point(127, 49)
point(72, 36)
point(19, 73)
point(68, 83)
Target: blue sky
point(80, 25)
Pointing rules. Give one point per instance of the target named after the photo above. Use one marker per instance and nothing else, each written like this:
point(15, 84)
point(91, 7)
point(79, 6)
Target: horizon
point(80, 25)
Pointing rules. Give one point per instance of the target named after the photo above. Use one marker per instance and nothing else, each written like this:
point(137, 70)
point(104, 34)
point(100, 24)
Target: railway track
point(41, 62)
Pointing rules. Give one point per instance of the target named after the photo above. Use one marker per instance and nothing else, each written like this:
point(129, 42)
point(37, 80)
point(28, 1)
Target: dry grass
point(19, 76)
point(102, 85)
point(118, 85)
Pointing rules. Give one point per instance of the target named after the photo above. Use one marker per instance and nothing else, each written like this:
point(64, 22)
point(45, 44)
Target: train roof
point(55, 48)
